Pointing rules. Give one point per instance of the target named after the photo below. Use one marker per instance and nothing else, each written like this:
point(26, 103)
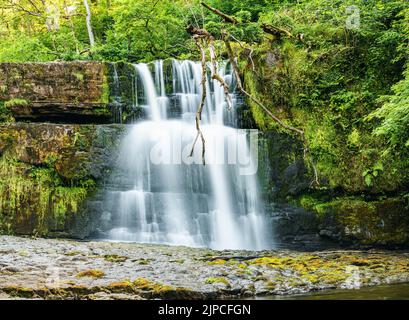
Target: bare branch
point(307, 155)
point(225, 17)
point(275, 31)
point(241, 88)
point(202, 101)
point(217, 77)
point(250, 49)
point(198, 32)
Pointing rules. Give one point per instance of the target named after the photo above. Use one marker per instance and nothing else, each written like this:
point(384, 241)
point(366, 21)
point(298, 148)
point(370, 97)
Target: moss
point(142, 284)
point(27, 190)
point(144, 261)
point(5, 114)
point(329, 270)
point(217, 262)
point(381, 221)
point(276, 262)
point(105, 94)
point(311, 278)
point(115, 258)
point(44, 184)
point(92, 273)
point(17, 291)
point(156, 288)
point(119, 287)
point(213, 280)
point(180, 261)
point(307, 90)
point(79, 76)
point(257, 113)
point(16, 103)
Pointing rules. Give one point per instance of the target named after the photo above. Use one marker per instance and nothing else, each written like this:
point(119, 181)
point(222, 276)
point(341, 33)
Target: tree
point(89, 25)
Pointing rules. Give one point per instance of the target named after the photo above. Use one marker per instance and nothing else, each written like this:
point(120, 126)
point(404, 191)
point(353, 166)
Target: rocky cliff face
point(48, 174)
point(58, 91)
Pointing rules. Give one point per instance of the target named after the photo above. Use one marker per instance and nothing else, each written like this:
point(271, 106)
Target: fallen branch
point(242, 90)
point(300, 132)
point(275, 31)
point(202, 36)
point(217, 77)
point(224, 16)
point(202, 102)
point(193, 31)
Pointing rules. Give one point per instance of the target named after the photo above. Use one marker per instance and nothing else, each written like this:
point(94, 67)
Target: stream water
point(382, 292)
point(159, 194)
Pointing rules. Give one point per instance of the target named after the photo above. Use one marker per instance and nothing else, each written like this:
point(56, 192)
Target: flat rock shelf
point(55, 269)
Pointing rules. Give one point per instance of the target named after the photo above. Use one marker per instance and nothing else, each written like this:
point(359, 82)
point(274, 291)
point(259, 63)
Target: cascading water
point(160, 194)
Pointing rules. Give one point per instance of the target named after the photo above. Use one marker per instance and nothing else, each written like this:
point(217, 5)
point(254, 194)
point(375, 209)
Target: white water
point(164, 196)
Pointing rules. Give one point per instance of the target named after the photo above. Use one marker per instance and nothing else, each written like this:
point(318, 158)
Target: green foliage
point(331, 79)
point(130, 30)
point(38, 194)
point(395, 117)
point(371, 173)
point(15, 103)
point(5, 114)
point(18, 47)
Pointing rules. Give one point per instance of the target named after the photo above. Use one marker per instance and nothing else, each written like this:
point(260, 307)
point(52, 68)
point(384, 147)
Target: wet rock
point(68, 91)
point(254, 273)
point(49, 173)
point(10, 269)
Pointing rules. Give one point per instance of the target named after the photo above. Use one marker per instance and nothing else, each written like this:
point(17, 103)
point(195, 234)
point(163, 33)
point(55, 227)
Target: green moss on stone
point(213, 280)
point(92, 273)
point(105, 94)
point(79, 76)
point(115, 258)
point(16, 103)
point(30, 196)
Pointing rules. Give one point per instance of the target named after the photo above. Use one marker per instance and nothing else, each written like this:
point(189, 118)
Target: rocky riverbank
point(55, 269)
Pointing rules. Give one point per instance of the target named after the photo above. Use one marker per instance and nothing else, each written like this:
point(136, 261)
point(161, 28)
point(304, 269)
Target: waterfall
point(117, 106)
point(158, 194)
point(152, 104)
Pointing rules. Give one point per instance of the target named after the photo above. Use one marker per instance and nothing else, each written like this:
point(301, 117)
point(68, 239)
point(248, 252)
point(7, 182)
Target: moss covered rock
point(362, 197)
point(382, 221)
point(47, 174)
point(68, 92)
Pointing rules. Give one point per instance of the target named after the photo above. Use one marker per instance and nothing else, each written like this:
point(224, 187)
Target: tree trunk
point(89, 26)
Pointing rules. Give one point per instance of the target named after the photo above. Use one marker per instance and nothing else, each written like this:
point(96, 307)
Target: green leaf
point(368, 180)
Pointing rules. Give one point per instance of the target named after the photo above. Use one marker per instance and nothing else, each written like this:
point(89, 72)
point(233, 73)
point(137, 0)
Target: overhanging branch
point(224, 16)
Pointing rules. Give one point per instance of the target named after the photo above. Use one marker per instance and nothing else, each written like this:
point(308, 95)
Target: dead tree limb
point(202, 101)
point(204, 34)
point(275, 31)
point(236, 71)
point(224, 16)
point(193, 31)
point(233, 62)
point(217, 77)
point(203, 37)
